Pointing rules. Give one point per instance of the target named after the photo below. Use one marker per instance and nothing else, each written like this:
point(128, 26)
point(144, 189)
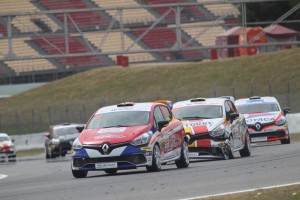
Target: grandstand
point(68, 40)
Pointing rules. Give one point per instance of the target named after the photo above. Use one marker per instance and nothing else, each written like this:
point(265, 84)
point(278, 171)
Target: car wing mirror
point(12, 140)
point(162, 124)
point(286, 111)
point(80, 128)
point(233, 116)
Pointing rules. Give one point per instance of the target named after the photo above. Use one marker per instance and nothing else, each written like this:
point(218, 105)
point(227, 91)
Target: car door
point(238, 126)
point(232, 123)
point(165, 134)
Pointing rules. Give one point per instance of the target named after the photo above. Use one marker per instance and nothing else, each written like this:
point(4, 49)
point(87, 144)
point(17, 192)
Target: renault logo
point(258, 126)
point(105, 148)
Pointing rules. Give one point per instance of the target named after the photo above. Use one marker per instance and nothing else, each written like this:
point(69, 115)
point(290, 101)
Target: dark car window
point(201, 111)
point(232, 106)
point(158, 115)
point(60, 131)
point(262, 107)
point(119, 119)
point(166, 112)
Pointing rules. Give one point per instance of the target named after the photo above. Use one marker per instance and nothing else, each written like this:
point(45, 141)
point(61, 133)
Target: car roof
point(65, 125)
point(4, 134)
point(128, 106)
point(256, 99)
point(200, 101)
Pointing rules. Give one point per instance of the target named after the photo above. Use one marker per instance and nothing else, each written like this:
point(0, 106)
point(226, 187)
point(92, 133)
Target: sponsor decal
point(108, 137)
point(260, 119)
point(200, 123)
point(112, 130)
point(146, 148)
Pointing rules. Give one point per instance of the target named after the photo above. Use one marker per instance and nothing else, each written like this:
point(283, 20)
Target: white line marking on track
point(241, 191)
point(2, 176)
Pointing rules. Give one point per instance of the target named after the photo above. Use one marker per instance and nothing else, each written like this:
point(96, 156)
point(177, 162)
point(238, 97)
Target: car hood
point(202, 125)
point(111, 135)
point(69, 137)
point(263, 117)
point(6, 143)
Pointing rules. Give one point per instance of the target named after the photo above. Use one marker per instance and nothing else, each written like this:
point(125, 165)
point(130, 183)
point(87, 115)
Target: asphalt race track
point(35, 178)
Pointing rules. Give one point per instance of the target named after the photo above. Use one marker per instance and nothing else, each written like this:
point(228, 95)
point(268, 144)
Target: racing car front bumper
point(271, 133)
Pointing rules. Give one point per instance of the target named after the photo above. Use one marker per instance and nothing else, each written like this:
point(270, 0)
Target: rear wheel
point(184, 159)
point(111, 171)
point(79, 173)
point(286, 141)
point(246, 151)
point(156, 160)
point(228, 150)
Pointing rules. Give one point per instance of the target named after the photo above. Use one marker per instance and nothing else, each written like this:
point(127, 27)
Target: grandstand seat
point(163, 37)
point(23, 66)
point(129, 15)
point(3, 30)
point(189, 13)
point(83, 20)
point(58, 47)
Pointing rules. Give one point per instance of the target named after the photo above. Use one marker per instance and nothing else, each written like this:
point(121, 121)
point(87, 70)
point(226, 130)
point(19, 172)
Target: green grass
point(31, 152)
point(288, 193)
point(76, 97)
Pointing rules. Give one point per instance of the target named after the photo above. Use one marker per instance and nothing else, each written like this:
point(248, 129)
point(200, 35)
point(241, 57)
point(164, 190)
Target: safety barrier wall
point(37, 140)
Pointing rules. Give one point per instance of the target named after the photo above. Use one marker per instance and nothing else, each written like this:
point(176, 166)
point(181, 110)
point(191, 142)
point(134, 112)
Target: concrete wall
point(37, 140)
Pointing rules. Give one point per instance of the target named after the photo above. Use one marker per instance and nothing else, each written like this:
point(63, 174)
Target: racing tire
point(246, 151)
point(63, 155)
point(228, 151)
point(286, 141)
point(184, 159)
point(156, 160)
point(111, 171)
point(79, 173)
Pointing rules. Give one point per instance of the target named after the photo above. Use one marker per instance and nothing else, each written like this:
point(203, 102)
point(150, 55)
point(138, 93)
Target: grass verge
point(31, 152)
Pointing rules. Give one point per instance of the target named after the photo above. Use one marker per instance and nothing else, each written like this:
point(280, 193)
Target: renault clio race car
point(7, 148)
point(265, 119)
point(214, 126)
point(127, 136)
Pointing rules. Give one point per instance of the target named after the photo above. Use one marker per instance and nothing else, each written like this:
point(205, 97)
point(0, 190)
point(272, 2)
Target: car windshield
point(256, 108)
point(60, 131)
point(119, 119)
point(4, 139)
point(199, 112)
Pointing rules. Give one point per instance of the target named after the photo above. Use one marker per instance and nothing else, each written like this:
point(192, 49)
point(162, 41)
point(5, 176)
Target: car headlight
point(219, 131)
point(141, 140)
point(281, 121)
point(77, 144)
point(55, 141)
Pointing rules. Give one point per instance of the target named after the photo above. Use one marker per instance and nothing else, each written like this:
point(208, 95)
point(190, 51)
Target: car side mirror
point(162, 124)
point(233, 116)
point(80, 128)
point(286, 111)
point(12, 140)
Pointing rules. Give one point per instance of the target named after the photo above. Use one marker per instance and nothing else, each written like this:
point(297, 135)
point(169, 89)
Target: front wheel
point(286, 141)
point(246, 151)
point(228, 150)
point(156, 160)
point(184, 159)
point(79, 173)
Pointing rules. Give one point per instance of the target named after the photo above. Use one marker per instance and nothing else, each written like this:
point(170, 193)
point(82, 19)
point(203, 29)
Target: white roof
point(265, 99)
point(3, 134)
point(207, 101)
point(135, 107)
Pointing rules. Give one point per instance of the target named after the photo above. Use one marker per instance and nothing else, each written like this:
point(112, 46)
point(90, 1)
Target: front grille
point(261, 126)
point(276, 134)
point(199, 137)
point(135, 159)
point(111, 147)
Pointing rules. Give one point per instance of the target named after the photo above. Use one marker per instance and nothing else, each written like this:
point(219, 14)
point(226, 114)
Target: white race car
point(214, 126)
point(265, 119)
point(7, 148)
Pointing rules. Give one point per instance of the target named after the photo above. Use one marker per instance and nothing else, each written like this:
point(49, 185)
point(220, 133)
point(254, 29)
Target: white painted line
point(241, 191)
point(2, 176)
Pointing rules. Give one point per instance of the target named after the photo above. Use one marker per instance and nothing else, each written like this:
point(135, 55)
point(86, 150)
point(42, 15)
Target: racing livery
point(265, 119)
point(214, 127)
point(127, 136)
point(7, 148)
